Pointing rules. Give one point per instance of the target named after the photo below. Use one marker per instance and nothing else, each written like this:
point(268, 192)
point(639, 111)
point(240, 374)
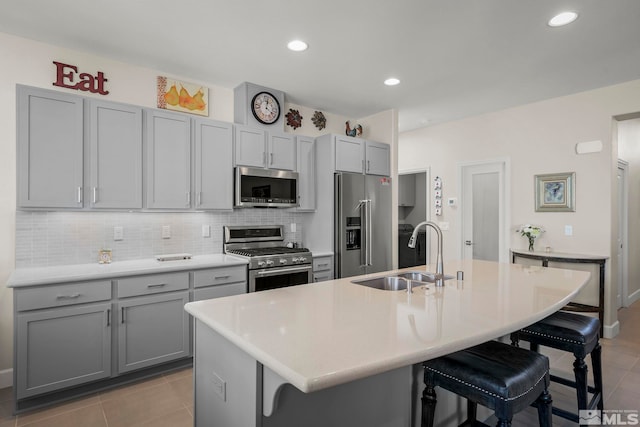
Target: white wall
point(537, 138)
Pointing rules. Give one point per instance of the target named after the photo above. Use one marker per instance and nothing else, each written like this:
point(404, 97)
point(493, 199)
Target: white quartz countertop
point(328, 333)
point(71, 273)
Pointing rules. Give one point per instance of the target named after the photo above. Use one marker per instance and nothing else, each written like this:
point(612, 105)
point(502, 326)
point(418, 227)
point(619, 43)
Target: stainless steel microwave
point(265, 188)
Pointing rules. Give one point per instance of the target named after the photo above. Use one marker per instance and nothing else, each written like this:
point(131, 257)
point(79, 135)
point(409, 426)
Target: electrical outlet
point(206, 230)
point(444, 225)
point(568, 230)
point(293, 227)
point(219, 386)
point(118, 233)
point(166, 231)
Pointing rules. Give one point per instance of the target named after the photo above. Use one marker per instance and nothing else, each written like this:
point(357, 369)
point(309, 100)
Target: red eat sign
point(66, 77)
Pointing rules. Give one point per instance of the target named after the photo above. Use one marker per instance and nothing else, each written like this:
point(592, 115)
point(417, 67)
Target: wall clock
point(265, 108)
point(258, 106)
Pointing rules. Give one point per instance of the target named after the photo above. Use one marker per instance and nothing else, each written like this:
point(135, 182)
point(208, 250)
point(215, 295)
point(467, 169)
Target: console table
point(545, 257)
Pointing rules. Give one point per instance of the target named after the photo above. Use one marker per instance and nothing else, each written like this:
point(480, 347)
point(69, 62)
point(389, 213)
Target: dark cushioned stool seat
point(501, 377)
point(579, 335)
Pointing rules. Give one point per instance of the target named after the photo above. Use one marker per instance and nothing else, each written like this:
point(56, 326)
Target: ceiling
point(455, 58)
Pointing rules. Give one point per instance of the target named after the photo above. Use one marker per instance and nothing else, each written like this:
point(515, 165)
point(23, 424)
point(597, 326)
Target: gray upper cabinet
point(306, 162)
point(377, 156)
point(250, 147)
point(115, 155)
point(349, 154)
point(168, 152)
point(360, 156)
point(281, 151)
point(213, 143)
point(264, 149)
point(49, 149)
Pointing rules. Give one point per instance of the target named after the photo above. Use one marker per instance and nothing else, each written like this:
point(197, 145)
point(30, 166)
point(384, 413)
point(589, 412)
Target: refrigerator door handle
point(364, 238)
point(369, 233)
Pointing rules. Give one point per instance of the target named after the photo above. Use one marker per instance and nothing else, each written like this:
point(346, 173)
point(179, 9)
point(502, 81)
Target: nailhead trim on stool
point(491, 374)
point(576, 334)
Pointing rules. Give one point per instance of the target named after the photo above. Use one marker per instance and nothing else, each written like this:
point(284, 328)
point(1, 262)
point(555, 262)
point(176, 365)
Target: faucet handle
point(409, 286)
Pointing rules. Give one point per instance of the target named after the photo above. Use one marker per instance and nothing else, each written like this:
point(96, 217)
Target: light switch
point(118, 233)
point(568, 230)
point(206, 230)
point(166, 231)
point(293, 227)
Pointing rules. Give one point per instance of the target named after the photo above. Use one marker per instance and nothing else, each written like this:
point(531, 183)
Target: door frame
point(504, 181)
point(427, 172)
point(623, 230)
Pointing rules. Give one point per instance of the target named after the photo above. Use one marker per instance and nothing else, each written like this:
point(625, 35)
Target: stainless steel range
point(272, 264)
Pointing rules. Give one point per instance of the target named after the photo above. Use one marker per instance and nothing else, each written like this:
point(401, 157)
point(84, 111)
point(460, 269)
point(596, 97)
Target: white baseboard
point(633, 298)
point(610, 331)
point(6, 378)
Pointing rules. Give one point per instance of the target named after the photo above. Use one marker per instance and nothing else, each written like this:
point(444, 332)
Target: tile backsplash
point(60, 238)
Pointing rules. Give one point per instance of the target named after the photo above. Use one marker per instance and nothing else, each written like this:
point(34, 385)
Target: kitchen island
point(342, 354)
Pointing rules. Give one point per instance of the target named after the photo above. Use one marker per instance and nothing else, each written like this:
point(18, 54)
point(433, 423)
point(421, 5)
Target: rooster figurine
point(356, 131)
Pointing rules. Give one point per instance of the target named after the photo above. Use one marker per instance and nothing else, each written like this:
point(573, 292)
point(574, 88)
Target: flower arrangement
point(531, 232)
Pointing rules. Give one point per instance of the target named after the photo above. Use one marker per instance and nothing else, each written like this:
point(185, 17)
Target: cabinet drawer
point(62, 295)
point(152, 284)
point(322, 263)
point(220, 291)
point(219, 276)
point(323, 276)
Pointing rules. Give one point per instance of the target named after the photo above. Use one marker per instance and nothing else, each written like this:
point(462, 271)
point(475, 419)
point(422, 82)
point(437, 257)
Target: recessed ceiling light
point(563, 18)
point(392, 81)
point(297, 45)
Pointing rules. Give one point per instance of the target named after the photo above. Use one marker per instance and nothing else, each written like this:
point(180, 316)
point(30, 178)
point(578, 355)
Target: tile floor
point(167, 400)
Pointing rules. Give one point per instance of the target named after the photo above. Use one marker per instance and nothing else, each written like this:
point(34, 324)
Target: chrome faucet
point(412, 244)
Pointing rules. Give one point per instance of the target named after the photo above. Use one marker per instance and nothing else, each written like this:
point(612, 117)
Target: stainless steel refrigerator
point(362, 241)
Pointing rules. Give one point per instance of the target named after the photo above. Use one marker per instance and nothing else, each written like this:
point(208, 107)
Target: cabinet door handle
point(271, 162)
point(221, 277)
point(323, 265)
point(95, 196)
point(264, 158)
point(156, 285)
point(79, 194)
point(199, 198)
point(72, 296)
point(188, 198)
point(121, 314)
point(108, 317)
point(368, 165)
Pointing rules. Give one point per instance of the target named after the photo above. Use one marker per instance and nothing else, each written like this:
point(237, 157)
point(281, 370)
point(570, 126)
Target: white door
point(621, 293)
point(482, 206)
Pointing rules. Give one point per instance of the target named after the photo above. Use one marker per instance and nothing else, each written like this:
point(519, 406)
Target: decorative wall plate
point(294, 119)
point(319, 120)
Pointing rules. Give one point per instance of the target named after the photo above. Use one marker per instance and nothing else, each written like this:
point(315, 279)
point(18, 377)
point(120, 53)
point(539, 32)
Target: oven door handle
point(278, 271)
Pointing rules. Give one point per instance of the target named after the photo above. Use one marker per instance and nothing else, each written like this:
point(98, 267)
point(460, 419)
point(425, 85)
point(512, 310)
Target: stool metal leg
point(596, 361)
point(544, 409)
point(580, 371)
point(428, 406)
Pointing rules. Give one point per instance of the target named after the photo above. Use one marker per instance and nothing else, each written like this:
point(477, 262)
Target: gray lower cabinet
point(152, 330)
point(168, 146)
point(62, 347)
point(49, 149)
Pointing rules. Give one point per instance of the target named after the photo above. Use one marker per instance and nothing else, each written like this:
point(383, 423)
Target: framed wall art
point(555, 192)
point(182, 96)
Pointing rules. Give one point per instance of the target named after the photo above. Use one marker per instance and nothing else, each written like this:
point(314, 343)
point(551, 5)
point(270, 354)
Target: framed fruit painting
point(182, 96)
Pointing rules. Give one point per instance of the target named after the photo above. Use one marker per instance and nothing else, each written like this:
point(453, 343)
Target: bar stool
point(579, 335)
point(501, 377)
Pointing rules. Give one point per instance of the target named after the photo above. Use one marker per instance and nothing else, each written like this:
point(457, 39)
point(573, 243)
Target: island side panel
point(382, 400)
point(225, 382)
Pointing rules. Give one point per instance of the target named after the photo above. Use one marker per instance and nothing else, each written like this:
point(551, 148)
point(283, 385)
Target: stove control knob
point(283, 261)
point(302, 259)
point(261, 263)
point(295, 259)
point(269, 263)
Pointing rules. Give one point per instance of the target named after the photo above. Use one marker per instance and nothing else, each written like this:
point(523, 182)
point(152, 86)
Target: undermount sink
point(398, 282)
